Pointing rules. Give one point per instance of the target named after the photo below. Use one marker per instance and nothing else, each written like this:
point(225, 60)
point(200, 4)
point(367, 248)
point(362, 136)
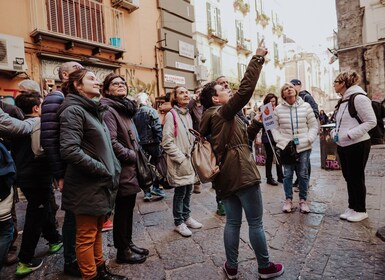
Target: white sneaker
point(346, 214)
point(287, 206)
point(357, 216)
point(304, 207)
point(191, 223)
point(183, 230)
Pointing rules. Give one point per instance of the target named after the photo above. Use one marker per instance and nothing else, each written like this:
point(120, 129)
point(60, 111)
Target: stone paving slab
point(314, 246)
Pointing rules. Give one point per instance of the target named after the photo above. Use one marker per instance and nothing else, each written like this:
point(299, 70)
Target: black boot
point(72, 269)
point(272, 182)
point(128, 256)
point(138, 250)
point(105, 274)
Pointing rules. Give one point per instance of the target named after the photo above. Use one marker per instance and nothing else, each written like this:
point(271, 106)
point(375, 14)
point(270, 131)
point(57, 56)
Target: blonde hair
point(285, 85)
point(350, 78)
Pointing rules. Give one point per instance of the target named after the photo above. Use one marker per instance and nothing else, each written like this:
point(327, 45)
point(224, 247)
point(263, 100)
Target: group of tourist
point(87, 139)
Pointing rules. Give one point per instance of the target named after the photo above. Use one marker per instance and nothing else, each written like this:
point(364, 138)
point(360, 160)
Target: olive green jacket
point(238, 169)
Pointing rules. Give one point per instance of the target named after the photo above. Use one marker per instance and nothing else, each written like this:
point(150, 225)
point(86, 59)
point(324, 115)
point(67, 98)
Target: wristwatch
point(260, 59)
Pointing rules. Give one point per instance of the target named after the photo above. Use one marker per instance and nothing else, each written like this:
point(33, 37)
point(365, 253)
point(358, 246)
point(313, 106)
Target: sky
point(308, 22)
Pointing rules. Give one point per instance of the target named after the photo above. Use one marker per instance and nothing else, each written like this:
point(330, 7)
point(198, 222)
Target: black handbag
point(288, 155)
point(145, 173)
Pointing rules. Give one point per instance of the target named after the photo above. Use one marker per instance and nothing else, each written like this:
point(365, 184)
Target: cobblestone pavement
point(314, 246)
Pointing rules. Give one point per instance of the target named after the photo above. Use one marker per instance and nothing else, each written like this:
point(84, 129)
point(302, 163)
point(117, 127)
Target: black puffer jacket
point(239, 169)
point(122, 131)
point(92, 175)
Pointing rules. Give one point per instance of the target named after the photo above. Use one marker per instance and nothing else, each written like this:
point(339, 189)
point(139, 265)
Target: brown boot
point(197, 188)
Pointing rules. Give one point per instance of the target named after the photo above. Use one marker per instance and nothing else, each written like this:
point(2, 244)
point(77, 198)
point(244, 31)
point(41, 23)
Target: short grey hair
point(142, 98)
point(29, 86)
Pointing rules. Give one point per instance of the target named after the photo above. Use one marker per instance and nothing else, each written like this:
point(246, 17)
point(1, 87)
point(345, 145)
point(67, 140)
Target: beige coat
point(180, 171)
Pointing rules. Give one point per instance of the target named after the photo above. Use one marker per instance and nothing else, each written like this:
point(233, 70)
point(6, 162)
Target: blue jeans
point(302, 168)
point(250, 200)
point(69, 237)
point(6, 237)
point(181, 204)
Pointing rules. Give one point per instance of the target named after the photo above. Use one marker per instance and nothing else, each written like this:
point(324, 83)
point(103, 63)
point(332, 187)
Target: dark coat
point(32, 171)
point(92, 174)
point(238, 167)
point(122, 131)
point(148, 125)
point(50, 132)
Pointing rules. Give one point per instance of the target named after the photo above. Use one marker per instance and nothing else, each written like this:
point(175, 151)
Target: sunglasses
point(337, 82)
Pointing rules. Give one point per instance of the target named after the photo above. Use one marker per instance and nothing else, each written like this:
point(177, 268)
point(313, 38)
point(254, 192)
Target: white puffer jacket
point(301, 119)
point(349, 130)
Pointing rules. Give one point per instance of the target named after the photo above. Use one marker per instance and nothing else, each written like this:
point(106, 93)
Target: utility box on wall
point(12, 55)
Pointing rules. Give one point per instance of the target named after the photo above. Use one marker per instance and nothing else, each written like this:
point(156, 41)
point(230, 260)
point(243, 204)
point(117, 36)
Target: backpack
point(7, 172)
point(377, 132)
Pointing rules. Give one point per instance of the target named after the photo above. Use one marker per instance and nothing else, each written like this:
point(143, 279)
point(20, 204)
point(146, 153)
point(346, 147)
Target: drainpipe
point(363, 69)
point(156, 61)
point(157, 70)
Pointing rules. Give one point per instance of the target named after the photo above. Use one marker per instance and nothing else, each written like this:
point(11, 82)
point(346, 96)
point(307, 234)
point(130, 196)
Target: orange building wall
point(140, 37)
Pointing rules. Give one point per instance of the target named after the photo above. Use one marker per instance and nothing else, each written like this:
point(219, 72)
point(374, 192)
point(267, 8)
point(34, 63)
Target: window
point(241, 70)
point(276, 53)
point(216, 66)
point(258, 6)
point(239, 30)
point(77, 18)
point(214, 20)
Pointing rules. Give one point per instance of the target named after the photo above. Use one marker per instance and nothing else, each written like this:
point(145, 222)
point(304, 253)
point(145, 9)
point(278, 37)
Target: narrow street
point(314, 246)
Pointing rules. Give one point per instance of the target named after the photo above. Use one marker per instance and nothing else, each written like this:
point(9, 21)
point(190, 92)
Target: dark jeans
point(69, 237)
point(353, 161)
point(39, 220)
point(123, 218)
point(6, 236)
point(181, 204)
point(269, 163)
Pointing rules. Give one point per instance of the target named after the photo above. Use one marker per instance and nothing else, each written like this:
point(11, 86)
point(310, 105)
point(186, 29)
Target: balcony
point(215, 36)
point(277, 29)
point(85, 23)
point(244, 46)
point(262, 19)
point(242, 6)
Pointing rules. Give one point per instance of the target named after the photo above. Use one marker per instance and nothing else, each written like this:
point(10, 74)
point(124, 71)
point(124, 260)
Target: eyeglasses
point(337, 82)
point(116, 84)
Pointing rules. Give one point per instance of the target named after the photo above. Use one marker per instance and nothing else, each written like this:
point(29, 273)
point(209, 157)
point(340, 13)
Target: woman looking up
point(92, 174)
point(177, 143)
point(124, 142)
point(297, 125)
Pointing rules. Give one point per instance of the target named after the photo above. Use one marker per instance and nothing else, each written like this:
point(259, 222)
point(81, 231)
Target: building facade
point(227, 33)
point(361, 42)
point(148, 42)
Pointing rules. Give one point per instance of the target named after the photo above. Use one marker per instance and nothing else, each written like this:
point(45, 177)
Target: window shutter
point(209, 23)
point(219, 26)
point(77, 18)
